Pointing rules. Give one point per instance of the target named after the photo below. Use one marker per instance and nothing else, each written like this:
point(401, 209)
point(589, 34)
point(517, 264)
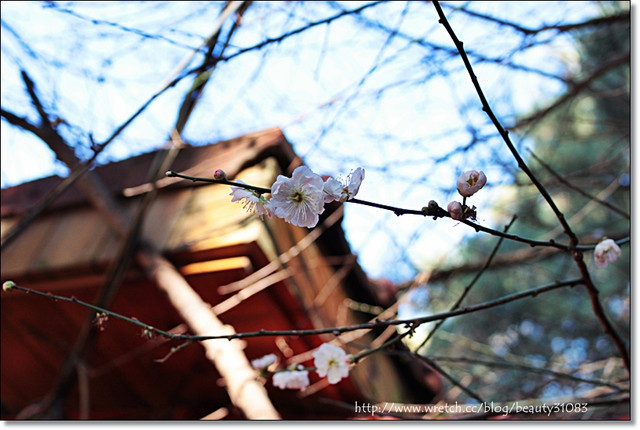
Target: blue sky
point(346, 95)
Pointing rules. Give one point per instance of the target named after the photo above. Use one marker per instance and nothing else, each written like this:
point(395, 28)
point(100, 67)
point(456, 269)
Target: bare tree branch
point(469, 286)
point(377, 323)
point(244, 391)
point(579, 190)
point(560, 28)
point(573, 92)
point(577, 255)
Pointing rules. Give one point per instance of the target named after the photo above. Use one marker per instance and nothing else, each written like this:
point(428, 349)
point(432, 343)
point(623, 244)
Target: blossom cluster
point(469, 183)
point(329, 360)
point(299, 200)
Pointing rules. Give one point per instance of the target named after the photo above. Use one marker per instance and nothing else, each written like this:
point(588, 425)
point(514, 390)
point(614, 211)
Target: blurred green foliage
point(584, 144)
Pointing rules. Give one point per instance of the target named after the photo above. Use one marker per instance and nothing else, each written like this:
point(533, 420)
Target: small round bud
point(431, 209)
point(220, 175)
point(455, 211)
point(8, 286)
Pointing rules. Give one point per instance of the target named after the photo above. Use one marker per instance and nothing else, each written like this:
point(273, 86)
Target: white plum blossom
point(291, 379)
point(331, 361)
point(263, 362)
point(253, 202)
point(456, 211)
point(332, 190)
point(607, 251)
point(470, 182)
point(298, 200)
point(335, 190)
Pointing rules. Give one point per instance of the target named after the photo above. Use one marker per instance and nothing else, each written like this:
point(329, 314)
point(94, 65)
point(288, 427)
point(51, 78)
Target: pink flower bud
point(220, 175)
point(455, 210)
point(470, 182)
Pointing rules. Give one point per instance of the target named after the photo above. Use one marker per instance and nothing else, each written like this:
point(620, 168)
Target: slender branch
point(577, 254)
point(480, 57)
point(451, 379)
point(412, 322)
point(369, 351)
point(599, 312)
point(77, 171)
point(98, 21)
point(469, 286)
point(259, 190)
point(308, 26)
point(530, 369)
point(433, 210)
point(579, 86)
point(400, 211)
point(501, 130)
point(557, 27)
point(578, 189)
point(42, 204)
point(19, 121)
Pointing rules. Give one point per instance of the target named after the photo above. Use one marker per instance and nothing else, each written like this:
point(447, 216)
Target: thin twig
point(530, 369)
point(451, 379)
point(386, 344)
point(376, 323)
point(579, 189)
point(300, 30)
point(552, 27)
point(259, 190)
point(501, 130)
point(579, 86)
point(428, 211)
point(469, 286)
point(577, 254)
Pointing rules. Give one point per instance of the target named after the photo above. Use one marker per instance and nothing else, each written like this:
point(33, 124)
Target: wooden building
point(256, 274)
